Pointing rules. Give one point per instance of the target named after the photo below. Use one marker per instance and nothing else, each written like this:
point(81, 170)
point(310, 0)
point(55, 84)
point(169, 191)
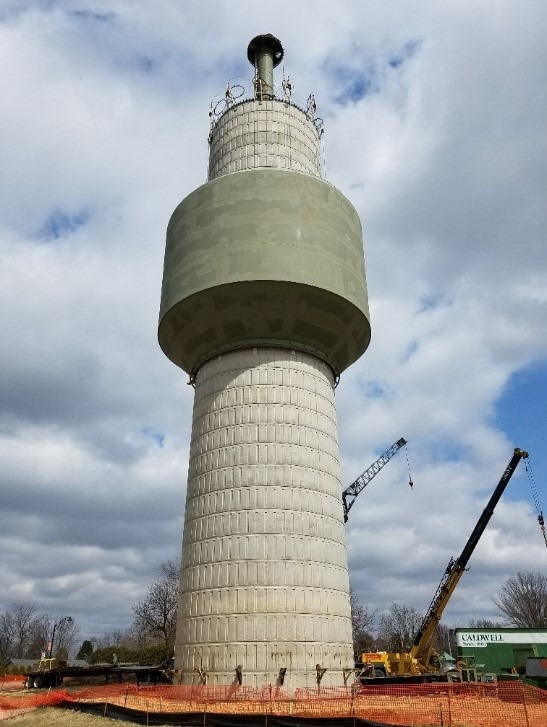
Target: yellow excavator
point(422, 658)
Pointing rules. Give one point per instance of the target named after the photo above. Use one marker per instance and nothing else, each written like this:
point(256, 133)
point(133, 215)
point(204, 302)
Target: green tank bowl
point(264, 258)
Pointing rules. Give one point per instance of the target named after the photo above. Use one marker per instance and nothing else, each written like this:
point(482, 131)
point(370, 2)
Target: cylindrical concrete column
point(264, 581)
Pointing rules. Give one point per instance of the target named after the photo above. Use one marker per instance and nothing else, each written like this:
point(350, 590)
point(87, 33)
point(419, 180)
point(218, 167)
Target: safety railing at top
point(242, 90)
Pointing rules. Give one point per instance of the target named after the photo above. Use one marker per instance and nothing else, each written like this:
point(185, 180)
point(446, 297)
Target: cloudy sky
point(435, 116)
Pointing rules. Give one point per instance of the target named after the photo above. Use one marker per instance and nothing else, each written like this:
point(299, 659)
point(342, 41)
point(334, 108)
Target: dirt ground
point(51, 717)
point(9, 687)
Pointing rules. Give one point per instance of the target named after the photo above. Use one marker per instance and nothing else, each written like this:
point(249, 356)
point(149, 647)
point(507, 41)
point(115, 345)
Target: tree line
point(26, 633)
point(521, 603)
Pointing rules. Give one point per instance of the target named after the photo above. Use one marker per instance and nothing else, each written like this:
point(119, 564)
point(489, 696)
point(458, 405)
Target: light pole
point(65, 619)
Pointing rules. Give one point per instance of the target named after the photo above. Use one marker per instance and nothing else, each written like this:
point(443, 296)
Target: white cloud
point(104, 131)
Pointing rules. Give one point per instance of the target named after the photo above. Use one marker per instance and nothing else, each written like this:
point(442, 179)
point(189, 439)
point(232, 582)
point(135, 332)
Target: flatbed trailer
point(54, 677)
point(458, 675)
point(409, 679)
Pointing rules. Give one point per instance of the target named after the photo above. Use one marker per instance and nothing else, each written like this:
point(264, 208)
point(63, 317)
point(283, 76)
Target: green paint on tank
point(264, 257)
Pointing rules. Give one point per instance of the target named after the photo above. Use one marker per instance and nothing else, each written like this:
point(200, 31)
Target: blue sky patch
point(354, 84)
point(145, 64)
point(61, 224)
point(90, 15)
point(409, 351)
point(359, 87)
point(158, 437)
point(373, 390)
point(522, 414)
point(408, 51)
point(430, 302)
point(357, 82)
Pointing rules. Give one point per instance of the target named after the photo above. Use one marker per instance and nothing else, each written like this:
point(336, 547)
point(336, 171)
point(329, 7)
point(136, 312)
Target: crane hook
point(411, 484)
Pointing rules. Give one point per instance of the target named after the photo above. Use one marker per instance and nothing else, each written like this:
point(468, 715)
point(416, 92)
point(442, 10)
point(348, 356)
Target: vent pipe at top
point(264, 52)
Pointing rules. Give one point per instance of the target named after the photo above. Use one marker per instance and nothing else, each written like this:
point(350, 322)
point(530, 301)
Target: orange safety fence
point(5, 678)
point(511, 704)
point(30, 700)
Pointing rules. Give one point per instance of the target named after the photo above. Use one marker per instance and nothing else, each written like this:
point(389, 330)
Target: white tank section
point(258, 133)
point(264, 581)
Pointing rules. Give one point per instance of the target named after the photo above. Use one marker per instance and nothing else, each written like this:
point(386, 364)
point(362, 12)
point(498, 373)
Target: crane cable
point(410, 476)
point(535, 497)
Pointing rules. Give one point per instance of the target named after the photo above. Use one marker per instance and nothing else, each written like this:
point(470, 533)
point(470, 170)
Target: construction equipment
point(351, 492)
point(387, 664)
point(422, 659)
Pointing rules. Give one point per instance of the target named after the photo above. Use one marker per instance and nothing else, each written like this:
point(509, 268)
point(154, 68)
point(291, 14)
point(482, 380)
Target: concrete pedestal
point(264, 583)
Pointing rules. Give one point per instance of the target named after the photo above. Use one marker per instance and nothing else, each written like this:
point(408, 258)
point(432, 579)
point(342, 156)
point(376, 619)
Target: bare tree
point(18, 629)
point(6, 637)
point(523, 600)
point(362, 622)
point(133, 638)
point(444, 639)
point(156, 615)
point(37, 643)
point(398, 627)
point(22, 616)
point(113, 638)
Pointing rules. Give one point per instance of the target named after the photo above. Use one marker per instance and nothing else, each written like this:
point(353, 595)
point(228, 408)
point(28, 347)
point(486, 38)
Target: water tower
point(264, 304)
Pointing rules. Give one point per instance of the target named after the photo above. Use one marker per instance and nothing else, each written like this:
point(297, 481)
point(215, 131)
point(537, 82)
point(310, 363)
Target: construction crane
point(422, 649)
point(351, 492)
point(419, 660)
